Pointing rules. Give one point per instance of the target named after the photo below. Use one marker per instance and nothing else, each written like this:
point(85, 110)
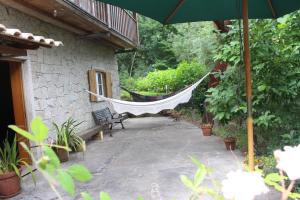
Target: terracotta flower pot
point(206, 129)
point(9, 185)
point(62, 154)
point(230, 143)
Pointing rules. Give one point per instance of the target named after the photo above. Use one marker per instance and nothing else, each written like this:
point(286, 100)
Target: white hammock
point(138, 108)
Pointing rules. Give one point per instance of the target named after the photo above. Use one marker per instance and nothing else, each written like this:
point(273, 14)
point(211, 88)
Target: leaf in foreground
point(86, 196)
point(39, 129)
point(79, 173)
point(104, 196)
point(25, 134)
point(66, 182)
point(52, 156)
point(187, 182)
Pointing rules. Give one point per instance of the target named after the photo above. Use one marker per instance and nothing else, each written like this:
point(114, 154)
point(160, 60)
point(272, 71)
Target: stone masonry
point(59, 75)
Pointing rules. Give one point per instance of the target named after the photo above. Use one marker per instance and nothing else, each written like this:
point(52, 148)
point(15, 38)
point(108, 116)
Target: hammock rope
point(154, 107)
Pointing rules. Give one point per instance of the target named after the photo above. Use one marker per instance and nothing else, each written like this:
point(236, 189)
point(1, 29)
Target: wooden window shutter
point(108, 85)
point(92, 85)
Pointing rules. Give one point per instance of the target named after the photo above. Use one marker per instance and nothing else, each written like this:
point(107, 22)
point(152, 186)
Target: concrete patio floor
point(146, 159)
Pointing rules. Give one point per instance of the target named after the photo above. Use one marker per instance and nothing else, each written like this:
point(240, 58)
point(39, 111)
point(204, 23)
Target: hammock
point(154, 107)
point(144, 98)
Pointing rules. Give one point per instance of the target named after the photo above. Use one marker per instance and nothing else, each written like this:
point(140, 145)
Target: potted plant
point(61, 140)
point(9, 170)
point(206, 129)
point(229, 140)
point(66, 135)
point(206, 125)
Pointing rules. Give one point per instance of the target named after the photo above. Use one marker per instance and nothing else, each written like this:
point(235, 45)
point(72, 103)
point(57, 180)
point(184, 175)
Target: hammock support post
point(247, 61)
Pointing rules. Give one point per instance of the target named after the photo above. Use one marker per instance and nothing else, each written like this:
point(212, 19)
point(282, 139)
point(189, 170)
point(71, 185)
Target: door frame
point(16, 78)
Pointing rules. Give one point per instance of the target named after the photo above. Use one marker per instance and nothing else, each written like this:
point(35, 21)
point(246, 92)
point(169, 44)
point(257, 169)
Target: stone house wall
point(59, 75)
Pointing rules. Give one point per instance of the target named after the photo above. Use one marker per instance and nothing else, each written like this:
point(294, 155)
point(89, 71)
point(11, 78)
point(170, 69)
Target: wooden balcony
point(88, 18)
point(119, 20)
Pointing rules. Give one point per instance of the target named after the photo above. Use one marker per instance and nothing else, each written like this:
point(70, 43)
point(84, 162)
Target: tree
point(275, 62)
point(195, 41)
point(155, 50)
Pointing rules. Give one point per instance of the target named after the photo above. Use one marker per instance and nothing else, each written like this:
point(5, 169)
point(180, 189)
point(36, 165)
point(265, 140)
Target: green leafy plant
point(195, 184)
point(66, 134)
point(190, 113)
point(277, 181)
point(49, 164)
point(185, 74)
point(154, 52)
point(175, 79)
point(291, 138)
point(9, 160)
point(228, 131)
point(267, 164)
point(125, 96)
point(275, 76)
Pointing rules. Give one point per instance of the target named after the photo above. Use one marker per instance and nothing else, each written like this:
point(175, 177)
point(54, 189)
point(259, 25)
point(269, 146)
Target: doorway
point(6, 105)
point(12, 107)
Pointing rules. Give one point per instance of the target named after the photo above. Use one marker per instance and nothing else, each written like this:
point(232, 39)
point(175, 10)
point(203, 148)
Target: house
point(52, 51)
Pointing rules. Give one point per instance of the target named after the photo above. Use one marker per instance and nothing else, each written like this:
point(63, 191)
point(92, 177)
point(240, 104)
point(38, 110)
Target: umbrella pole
point(248, 86)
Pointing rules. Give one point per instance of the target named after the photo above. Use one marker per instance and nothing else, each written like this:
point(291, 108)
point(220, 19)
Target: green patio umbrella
point(180, 11)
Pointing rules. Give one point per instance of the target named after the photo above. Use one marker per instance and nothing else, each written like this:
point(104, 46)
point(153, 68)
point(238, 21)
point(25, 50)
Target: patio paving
point(146, 159)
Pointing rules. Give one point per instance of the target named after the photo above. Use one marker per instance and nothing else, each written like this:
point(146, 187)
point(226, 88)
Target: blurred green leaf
point(104, 196)
point(52, 156)
point(39, 129)
point(79, 173)
point(66, 181)
point(187, 182)
point(274, 177)
point(24, 133)
point(86, 196)
point(199, 177)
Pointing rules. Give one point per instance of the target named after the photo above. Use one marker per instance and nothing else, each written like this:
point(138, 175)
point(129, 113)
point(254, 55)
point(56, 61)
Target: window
point(99, 83)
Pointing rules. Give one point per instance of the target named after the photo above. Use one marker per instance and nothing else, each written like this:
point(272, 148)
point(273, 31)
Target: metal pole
point(248, 85)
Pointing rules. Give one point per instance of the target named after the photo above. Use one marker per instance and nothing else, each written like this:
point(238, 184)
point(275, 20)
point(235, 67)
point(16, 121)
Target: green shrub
point(173, 80)
point(190, 113)
point(127, 81)
point(233, 130)
point(268, 164)
point(149, 93)
point(157, 81)
point(241, 139)
point(9, 161)
point(66, 134)
point(275, 81)
point(125, 96)
point(185, 74)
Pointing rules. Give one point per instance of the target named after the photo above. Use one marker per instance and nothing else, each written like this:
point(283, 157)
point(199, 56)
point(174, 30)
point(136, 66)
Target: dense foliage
point(162, 47)
point(154, 52)
point(185, 74)
point(195, 41)
point(275, 53)
point(173, 80)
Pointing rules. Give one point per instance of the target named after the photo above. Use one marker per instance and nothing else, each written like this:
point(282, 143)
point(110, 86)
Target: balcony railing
point(116, 19)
